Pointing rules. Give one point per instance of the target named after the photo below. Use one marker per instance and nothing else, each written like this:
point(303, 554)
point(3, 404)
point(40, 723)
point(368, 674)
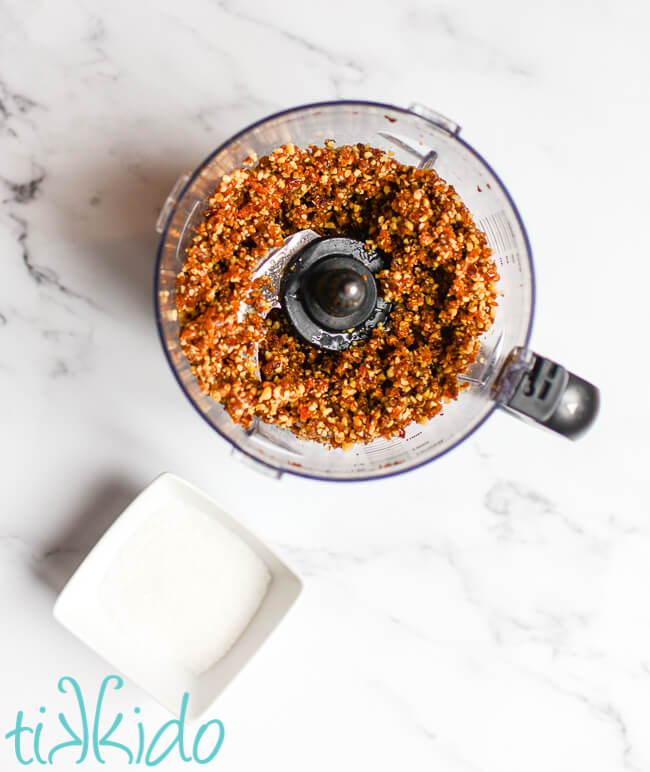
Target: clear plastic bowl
point(416, 136)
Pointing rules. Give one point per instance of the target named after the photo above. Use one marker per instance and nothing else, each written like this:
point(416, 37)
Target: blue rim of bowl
point(190, 181)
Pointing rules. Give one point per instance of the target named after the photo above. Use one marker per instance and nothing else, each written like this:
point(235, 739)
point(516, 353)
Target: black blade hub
point(330, 294)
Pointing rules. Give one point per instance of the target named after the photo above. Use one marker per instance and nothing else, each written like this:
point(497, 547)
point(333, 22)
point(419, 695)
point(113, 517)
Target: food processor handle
point(541, 391)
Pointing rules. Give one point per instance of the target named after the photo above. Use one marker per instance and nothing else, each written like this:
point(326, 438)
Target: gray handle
point(542, 391)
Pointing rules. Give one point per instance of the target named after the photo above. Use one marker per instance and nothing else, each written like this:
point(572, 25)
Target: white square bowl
point(78, 608)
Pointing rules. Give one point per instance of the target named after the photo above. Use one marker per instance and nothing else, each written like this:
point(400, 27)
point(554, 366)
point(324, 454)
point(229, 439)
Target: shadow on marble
point(65, 554)
point(107, 217)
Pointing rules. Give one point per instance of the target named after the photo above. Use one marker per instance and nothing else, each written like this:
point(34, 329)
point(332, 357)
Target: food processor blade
point(327, 289)
point(273, 265)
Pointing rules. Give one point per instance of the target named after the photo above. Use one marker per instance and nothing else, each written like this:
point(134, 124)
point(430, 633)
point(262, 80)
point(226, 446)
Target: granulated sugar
point(185, 586)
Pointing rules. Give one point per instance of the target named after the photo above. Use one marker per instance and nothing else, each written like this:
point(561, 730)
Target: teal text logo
point(82, 735)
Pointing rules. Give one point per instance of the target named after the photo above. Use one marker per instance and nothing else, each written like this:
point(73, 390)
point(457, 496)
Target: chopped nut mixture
point(441, 281)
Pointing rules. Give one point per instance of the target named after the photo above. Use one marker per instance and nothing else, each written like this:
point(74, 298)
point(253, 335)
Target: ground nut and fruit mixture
point(441, 280)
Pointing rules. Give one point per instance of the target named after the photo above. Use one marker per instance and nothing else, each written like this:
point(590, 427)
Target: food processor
point(326, 289)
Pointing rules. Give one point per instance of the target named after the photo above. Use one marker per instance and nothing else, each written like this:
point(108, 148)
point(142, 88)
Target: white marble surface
point(487, 613)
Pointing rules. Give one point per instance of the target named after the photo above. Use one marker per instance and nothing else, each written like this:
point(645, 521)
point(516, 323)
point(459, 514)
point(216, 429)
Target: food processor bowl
point(505, 371)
